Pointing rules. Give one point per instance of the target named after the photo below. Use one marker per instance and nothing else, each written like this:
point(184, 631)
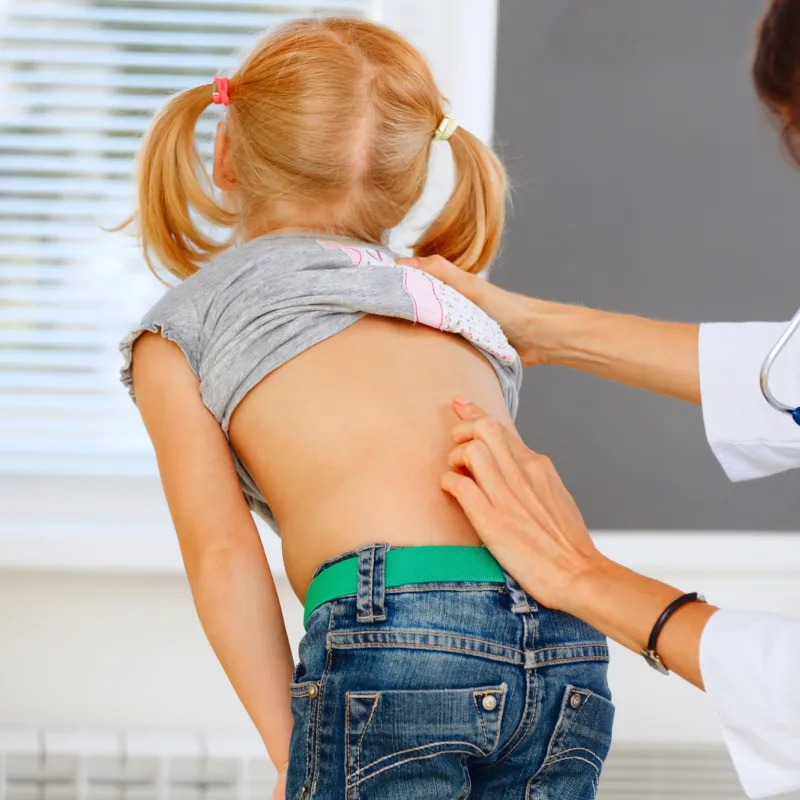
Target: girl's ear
point(223, 174)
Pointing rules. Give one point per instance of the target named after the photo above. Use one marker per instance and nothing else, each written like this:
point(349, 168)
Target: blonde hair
point(329, 114)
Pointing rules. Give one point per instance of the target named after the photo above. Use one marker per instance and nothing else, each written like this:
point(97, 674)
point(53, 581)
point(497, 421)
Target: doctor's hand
point(650, 354)
point(524, 514)
point(524, 320)
point(520, 508)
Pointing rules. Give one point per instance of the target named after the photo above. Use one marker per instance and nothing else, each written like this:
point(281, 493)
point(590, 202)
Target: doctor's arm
point(747, 662)
point(718, 362)
point(524, 514)
point(648, 354)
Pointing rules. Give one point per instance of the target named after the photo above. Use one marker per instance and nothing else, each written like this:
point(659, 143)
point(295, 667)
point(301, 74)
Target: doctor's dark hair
point(776, 70)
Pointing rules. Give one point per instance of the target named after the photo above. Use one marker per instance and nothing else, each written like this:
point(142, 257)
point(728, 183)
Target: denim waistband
point(363, 573)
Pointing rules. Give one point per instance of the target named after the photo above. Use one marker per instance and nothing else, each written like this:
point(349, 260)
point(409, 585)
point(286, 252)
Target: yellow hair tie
point(447, 127)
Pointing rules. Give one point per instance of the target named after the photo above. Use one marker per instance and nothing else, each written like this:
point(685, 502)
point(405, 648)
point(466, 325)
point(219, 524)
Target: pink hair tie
point(221, 95)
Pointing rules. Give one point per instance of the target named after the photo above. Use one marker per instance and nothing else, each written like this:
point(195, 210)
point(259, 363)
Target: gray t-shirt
point(259, 305)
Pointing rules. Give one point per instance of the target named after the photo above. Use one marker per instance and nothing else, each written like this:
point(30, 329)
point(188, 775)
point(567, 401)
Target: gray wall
point(647, 181)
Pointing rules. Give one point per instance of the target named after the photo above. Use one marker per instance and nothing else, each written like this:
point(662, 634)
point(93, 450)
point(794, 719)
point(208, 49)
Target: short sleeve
point(175, 318)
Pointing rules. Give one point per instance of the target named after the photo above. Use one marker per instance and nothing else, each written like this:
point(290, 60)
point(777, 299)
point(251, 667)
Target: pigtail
point(174, 188)
point(469, 228)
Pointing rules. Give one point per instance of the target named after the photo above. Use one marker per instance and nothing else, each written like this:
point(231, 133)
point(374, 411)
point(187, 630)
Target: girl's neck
point(286, 219)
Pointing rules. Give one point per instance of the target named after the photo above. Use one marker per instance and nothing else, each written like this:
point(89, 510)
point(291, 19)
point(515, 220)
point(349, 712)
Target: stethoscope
point(793, 412)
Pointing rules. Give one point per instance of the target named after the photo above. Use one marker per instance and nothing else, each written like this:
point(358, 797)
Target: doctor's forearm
point(625, 605)
point(649, 354)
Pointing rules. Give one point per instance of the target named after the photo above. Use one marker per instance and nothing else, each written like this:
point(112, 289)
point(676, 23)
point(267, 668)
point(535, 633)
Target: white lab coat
point(751, 662)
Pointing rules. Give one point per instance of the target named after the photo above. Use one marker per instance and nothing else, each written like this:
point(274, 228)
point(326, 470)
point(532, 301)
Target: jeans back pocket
point(418, 737)
point(577, 749)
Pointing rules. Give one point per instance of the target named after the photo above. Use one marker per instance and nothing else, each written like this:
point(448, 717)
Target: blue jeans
point(447, 691)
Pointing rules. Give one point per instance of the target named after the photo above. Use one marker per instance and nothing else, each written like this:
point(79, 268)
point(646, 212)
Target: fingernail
point(461, 401)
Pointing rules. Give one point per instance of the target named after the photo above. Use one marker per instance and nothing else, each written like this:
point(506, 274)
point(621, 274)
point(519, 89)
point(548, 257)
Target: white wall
point(92, 648)
point(110, 651)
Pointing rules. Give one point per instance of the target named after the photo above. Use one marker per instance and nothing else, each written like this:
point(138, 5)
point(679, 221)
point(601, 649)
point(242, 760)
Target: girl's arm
point(231, 582)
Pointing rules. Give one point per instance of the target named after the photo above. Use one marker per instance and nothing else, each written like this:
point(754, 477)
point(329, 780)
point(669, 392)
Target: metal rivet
point(304, 790)
point(313, 691)
point(575, 700)
point(489, 702)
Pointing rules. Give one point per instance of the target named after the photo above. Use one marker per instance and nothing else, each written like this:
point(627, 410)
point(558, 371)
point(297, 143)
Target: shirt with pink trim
point(261, 304)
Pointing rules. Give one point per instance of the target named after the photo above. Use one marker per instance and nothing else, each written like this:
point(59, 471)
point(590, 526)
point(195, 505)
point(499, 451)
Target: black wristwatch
point(650, 655)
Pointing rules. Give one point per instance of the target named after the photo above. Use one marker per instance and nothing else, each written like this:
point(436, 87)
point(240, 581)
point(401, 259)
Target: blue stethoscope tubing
point(792, 411)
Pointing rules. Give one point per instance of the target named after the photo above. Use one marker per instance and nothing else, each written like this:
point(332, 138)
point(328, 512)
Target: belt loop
point(371, 598)
point(521, 603)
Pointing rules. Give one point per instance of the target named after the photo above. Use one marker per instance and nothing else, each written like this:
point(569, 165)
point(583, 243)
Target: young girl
point(287, 376)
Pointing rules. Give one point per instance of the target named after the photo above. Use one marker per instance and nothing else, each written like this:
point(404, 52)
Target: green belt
point(404, 566)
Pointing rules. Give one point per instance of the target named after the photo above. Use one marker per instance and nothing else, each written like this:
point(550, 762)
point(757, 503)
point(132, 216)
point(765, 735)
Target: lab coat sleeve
point(749, 437)
point(749, 662)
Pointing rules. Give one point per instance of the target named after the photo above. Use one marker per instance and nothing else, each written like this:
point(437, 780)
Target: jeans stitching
point(320, 695)
point(308, 742)
point(480, 720)
point(409, 646)
point(555, 761)
point(547, 767)
point(571, 660)
point(415, 749)
point(469, 745)
point(569, 721)
point(573, 645)
point(334, 635)
point(466, 785)
point(502, 690)
point(298, 692)
point(558, 733)
point(551, 759)
point(523, 729)
point(375, 701)
point(347, 757)
point(372, 582)
point(577, 750)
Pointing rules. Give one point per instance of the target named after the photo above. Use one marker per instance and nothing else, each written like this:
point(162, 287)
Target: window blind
point(82, 78)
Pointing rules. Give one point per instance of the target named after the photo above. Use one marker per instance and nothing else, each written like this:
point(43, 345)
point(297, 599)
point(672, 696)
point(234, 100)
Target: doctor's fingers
point(503, 485)
point(485, 518)
point(539, 516)
point(477, 424)
point(519, 465)
point(531, 478)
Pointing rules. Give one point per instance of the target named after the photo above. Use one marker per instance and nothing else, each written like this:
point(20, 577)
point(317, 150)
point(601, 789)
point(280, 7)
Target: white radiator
point(83, 765)
point(669, 772)
point(131, 765)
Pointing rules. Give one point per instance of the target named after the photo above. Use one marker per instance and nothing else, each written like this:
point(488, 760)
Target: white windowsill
point(132, 548)
point(120, 524)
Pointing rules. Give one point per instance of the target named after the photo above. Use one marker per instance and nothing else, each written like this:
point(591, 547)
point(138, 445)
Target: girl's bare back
point(348, 441)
